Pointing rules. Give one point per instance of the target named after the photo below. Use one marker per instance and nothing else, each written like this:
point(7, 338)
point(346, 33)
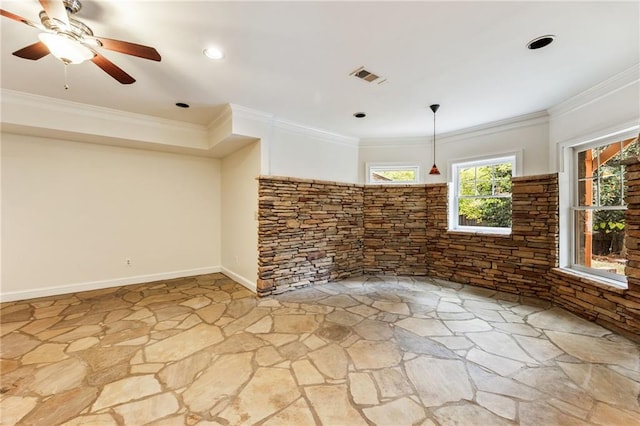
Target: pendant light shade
point(434, 169)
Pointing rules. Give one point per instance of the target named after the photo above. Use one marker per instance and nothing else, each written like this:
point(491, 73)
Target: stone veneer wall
point(309, 232)
point(515, 263)
point(395, 239)
point(312, 232)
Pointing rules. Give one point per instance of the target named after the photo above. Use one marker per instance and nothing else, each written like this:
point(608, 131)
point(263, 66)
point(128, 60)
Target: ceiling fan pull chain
point(66, 79)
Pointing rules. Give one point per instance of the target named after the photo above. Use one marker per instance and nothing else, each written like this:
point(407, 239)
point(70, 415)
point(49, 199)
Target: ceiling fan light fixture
point(213, 53)
point(65, 48)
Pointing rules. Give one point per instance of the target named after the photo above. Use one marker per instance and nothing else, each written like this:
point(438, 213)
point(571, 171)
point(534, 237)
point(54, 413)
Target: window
point(599, 207)
point(390, 174)
point(481, 195)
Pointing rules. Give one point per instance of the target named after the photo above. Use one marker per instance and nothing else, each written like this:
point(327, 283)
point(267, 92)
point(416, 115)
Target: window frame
point(455, 167)
point(372, 167)
point(574, 207)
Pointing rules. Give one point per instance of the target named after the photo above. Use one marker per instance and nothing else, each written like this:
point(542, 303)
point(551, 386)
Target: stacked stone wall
point(395, 240)
point(514, 263)
point(309, 232)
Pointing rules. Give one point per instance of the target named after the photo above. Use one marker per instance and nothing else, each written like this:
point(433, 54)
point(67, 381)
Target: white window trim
point(568, 249)
point(371, 167)
point(515, 158)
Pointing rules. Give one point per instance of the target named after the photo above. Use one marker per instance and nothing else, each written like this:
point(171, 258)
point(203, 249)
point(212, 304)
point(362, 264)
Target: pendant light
point(434, 169)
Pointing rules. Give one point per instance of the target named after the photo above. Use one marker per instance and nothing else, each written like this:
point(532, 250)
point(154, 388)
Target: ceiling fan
point(73, 42)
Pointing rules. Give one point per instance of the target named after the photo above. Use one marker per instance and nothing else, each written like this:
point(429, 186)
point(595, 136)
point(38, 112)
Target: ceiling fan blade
point(132, 49)
point(55, 10)
point(112, 69)
point(19, 19)
point(34, 51)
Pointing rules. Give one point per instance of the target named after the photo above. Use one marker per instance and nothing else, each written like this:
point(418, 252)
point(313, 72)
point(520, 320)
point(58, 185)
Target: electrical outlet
point(128, 262)
point(237, 260)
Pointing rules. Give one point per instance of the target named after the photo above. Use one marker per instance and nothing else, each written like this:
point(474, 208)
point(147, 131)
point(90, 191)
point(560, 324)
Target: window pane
point(587, 192)
point(484, 187)
point(611, 191)
point(467, 188)
point(382, 175)
point(502, 186)
point(485, 212)
point(585, 164)
point(600, 240)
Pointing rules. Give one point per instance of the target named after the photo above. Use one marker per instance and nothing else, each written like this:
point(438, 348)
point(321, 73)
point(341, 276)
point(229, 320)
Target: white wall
point(529, 135)
point(312, 156)
point(239, 207)
point(611, 106)
point(72, 213)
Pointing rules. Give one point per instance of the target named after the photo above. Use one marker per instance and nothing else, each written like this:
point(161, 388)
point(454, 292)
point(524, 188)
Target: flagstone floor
point(371, 350)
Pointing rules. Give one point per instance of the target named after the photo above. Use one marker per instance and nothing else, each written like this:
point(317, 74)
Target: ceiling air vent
point(367, 76)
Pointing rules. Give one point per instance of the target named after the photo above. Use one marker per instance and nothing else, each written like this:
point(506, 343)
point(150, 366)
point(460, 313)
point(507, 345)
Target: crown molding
point(92, 111)
point(239, 111)
point(594, 94)
point(403, 142)
point(313, 132)
point(520, 121)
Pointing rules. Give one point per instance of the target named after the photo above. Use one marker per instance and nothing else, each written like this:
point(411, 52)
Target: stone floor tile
point(223, 378)
point(599, 350)
point(15, 408)
point(374, 355)
point(501, 365)
point(500, 405)
point(540, 349)
point(47, 352)
point(204, 351)
point(558, 319)
point(297, 413)
point(332, 406)
point(270, 390)
point(457, 415)
point(183, 344)
point(373, 330)
point(126, 390)
point(60, 407)
point(400, 412)
point(439, 381)
point(604, 384)
point(606, 415)
point(59, 377)
point(182, 373)
point(538, 413)
point(399, 308)
point(424, 327)
point(331, 360)
point(305, 373)
point(92, 420)
point(500, 344)
point(147, 410)
point(392, 382)
point(468, 326)
point(553, 381)
point(362, 388)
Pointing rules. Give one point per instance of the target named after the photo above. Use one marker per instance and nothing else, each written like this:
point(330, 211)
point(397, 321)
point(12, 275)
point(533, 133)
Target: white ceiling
point(293, 59)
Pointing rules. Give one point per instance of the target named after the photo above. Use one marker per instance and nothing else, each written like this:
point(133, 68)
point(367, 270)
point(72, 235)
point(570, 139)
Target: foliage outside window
point(394, 174)
point(599, 208)
point(481, 198)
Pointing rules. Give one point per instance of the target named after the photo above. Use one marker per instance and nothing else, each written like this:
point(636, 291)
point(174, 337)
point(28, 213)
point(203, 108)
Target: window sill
point(492, 233)
point(595, 280)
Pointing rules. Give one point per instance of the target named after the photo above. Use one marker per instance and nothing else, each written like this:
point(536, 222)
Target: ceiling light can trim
point(214, 53)
point(540, 42)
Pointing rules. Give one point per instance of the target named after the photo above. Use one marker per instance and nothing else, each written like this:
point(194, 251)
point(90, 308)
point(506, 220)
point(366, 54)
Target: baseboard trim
point(117, 282)
point(250, 285)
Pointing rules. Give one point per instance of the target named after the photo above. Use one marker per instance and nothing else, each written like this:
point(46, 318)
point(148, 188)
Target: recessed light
point(540, 42)
point(359, 115)
point(213, 53)
point(182, 105)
